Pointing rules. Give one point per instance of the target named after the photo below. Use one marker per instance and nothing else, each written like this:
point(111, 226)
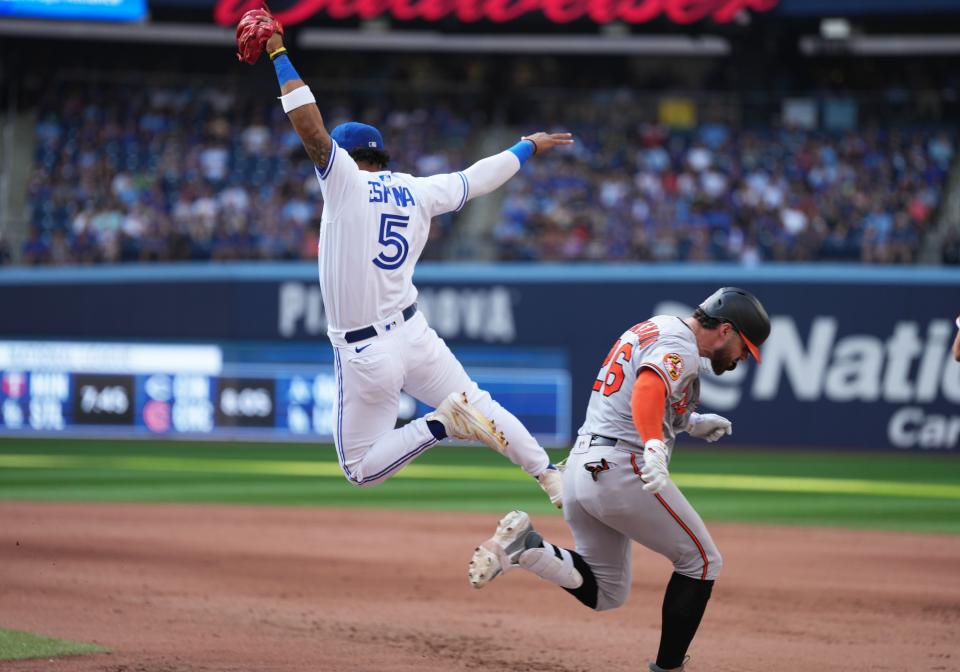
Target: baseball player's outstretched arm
point(492, 172)
point(305, 117)
point(259, 31)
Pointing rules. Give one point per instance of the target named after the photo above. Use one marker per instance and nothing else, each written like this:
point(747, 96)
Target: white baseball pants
point(607, 513)
point(412, 358)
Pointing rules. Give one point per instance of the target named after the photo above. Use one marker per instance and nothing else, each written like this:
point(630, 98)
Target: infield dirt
point(178, 588)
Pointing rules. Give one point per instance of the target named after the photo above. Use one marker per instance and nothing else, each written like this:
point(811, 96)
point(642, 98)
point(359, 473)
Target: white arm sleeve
point(490, 173)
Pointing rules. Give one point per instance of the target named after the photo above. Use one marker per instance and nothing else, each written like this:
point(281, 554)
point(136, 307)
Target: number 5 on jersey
point(610, 378)
point(391, 238)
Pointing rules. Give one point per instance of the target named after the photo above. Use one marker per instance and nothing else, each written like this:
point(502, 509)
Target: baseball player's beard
point(723, 360)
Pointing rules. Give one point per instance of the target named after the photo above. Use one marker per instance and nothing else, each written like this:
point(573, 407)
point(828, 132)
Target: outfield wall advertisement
point(858, 358)
point(682, 12)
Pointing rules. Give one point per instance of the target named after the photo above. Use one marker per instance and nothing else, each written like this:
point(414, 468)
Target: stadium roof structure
point(375, 37)
point(882, 45)
point(426, 41)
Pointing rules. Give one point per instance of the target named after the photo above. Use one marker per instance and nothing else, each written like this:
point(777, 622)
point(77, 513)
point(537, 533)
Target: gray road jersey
point(664, 344)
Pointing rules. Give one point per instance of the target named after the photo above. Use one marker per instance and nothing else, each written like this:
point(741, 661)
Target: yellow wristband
point(274, 54)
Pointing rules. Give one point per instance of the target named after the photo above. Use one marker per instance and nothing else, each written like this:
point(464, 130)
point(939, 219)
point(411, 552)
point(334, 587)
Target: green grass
point(15, 645)
point(916, 492)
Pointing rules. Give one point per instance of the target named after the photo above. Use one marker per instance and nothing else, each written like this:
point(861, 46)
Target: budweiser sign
point(228, 12)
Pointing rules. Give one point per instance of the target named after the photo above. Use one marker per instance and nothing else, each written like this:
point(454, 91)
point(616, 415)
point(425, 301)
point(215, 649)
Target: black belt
point(371, 331)
point(597, 440)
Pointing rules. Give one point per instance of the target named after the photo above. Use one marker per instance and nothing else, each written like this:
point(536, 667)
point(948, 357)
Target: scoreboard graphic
point(76, 10)
point(139, 391)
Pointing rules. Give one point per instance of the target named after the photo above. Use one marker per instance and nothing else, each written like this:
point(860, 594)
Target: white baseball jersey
point(373, 229)
point(664, 344)
point(372, 232)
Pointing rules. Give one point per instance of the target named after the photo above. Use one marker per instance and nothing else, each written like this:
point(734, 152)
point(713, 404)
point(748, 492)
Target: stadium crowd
point(164, 174)
point(639, 191)
point(196, 174)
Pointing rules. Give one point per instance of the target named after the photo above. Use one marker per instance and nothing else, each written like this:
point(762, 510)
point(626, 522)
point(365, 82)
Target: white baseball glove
point(654, 472)
point(709, 426)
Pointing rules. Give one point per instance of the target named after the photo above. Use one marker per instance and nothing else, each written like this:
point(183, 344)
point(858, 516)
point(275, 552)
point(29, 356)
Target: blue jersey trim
point(466, 191)
point(398, 463)
point(333, 154)
point(338, 442)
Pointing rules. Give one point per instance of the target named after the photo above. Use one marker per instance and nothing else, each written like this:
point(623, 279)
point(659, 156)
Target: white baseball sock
point(553, 564)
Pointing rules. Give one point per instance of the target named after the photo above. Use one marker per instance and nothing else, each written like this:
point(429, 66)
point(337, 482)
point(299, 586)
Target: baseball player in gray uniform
point(374, 226)
point(616, 483)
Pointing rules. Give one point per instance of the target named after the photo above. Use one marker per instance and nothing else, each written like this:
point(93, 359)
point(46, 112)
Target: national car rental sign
point(228, 12)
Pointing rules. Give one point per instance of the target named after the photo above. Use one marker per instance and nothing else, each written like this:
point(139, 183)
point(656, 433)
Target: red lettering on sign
point(341, 9)
point(602, 11)
point(639, 11)
point(434, 10)
point(369, 9)
point(403, 10)
point(228, 12)
point(502, 11)
point(469, 11)
point(301, 11)
point(564, 11)
point(728, 11)
point(690, 11)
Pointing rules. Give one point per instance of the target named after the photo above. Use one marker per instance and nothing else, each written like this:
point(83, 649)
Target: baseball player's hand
point(709, 426)
point(274, 43)
point(654, 472)
point(256, 29)
point(544, 141)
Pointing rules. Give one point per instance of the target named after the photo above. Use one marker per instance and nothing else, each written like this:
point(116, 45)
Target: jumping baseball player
point(374, 226)
point(616, 483)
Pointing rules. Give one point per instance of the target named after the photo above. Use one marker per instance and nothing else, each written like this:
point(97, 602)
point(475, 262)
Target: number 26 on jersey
point(610, 378)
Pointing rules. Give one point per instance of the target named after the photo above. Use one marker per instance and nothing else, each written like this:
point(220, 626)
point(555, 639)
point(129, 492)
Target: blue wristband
point(284, 68)
point(523, 150)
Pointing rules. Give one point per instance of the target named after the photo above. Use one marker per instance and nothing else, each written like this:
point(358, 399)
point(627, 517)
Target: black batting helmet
point(741, 309)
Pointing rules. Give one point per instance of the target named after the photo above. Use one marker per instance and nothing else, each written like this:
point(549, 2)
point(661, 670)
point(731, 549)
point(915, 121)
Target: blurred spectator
point(155, 174)
point(35, 249)
point(6, 257)
point(723, 193)
point(950, 252)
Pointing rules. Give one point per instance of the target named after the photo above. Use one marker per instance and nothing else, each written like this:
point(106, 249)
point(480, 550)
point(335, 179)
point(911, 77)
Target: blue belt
point(371, 331)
